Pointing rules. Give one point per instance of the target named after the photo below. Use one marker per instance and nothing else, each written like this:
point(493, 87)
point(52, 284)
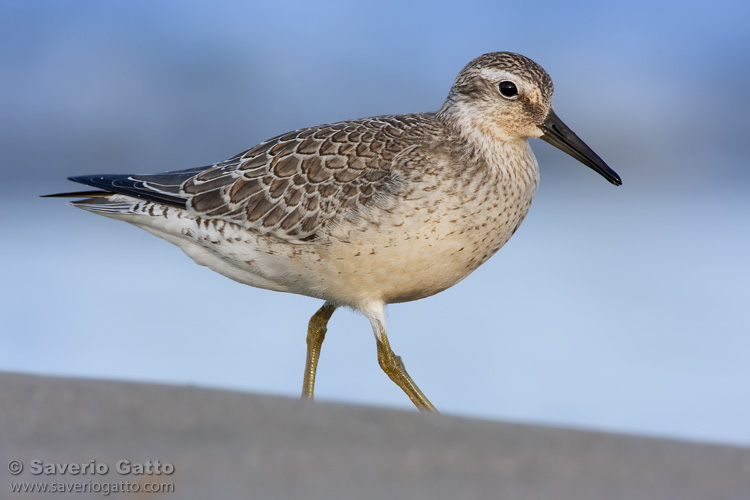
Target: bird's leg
point(395, 369)
point(316, 332)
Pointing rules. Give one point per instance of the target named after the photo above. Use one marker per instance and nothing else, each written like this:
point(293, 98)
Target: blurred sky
point(622, 309)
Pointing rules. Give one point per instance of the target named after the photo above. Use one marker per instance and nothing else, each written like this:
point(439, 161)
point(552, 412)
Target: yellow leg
point(395, 369)
point(316, 332)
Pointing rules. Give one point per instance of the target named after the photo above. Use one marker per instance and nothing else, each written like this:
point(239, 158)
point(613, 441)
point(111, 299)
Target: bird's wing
point(292, 186)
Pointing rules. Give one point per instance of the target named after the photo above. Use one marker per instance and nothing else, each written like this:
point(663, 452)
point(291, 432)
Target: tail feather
point(133, 186)
point(78, 194)
point(123, 193)
point(112, 204)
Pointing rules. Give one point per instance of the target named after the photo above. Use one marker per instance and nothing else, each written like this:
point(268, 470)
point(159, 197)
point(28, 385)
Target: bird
point(366, 212)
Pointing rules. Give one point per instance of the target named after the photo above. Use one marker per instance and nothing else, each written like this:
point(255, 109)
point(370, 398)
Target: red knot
point(367, 212)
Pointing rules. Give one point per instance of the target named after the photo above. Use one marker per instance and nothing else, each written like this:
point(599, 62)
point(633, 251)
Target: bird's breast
point(443, 228)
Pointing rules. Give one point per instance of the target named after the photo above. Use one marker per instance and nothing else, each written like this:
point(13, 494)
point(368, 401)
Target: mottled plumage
point(365, 212)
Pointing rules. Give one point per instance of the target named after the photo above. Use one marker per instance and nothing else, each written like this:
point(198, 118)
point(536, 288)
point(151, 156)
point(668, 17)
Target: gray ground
point(236, 445)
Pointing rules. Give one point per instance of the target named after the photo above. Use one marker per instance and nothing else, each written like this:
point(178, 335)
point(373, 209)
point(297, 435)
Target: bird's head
point(503, 96)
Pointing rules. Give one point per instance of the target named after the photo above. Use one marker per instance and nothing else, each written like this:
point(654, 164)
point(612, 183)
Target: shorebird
point(367, 212)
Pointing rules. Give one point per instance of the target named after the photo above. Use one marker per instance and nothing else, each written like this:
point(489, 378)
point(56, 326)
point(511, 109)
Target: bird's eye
point(508, 89)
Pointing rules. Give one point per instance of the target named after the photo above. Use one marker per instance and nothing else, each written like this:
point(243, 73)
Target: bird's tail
point(101, 202)
point(78, 194)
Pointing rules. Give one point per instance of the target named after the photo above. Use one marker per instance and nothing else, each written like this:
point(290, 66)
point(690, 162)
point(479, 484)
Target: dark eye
point(508, 89)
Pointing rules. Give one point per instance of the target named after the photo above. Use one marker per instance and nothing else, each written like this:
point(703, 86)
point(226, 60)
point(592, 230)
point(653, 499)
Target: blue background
point(622, 309)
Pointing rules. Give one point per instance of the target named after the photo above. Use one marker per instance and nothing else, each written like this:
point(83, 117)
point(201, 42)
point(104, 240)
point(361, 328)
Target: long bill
point(559, 135)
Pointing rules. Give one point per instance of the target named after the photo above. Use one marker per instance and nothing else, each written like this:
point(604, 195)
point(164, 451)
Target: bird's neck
point(486, 141)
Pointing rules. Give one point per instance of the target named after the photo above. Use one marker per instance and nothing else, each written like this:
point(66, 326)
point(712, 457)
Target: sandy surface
point(216, 444)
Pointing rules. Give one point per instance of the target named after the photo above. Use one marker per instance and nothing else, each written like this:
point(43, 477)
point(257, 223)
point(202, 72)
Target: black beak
point(559, 135)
